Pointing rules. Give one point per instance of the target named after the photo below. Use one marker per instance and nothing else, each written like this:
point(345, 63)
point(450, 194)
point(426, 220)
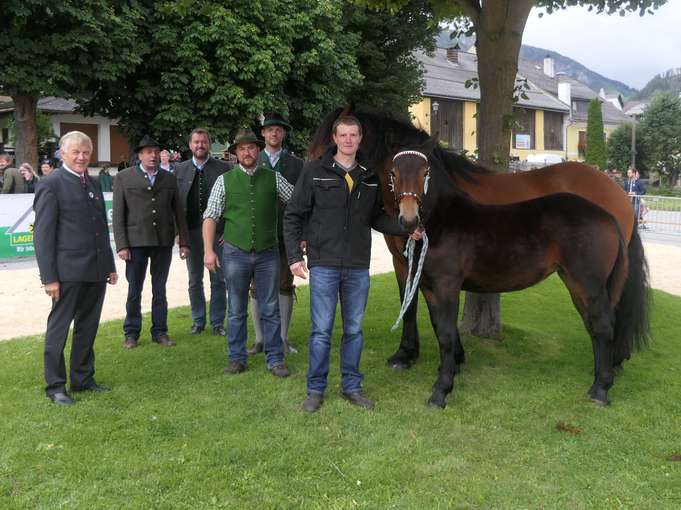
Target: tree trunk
point(499, 26)
point(26, 147)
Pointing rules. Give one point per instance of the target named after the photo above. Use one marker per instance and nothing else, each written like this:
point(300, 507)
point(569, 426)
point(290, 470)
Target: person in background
point(166, 163)
point(14, 181)
point(5, 163)
point(635, 188)
point(275, 157)
point(29, 176)
point(75, 261)
point(46, 167)
point(105, 179)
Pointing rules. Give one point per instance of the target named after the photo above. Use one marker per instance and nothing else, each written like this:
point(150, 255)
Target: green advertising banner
point(16, 224)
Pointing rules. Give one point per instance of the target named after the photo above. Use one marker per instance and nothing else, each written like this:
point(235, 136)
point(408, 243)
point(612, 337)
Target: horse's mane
point(386, 134)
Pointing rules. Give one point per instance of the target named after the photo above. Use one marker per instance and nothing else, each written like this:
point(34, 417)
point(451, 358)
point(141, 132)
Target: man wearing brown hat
point(276, 157)
point(246, 198)
point(146, 213)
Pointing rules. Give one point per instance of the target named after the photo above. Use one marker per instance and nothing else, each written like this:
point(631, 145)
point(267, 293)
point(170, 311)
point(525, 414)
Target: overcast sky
point(631, 49)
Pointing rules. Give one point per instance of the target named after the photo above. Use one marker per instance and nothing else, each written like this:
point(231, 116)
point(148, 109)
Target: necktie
point(83, 179)
point(349, 180)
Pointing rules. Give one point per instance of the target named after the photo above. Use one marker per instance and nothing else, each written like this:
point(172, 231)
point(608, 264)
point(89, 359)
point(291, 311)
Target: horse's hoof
point(437, 403)
point(599, 397)
point(399, 364)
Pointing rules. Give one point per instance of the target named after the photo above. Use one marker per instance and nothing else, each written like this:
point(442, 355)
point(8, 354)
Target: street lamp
point(436, 106)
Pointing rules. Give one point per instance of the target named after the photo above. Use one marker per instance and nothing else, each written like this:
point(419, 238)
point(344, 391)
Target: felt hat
point(147, 141)
point(275, 119)
point(246, 136)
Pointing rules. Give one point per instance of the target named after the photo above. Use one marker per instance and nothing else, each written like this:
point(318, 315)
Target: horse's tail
point(632, 326)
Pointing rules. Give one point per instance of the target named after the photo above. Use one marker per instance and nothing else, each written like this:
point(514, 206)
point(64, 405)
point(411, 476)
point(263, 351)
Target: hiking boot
point(313, 402)
point(235, 367)
point(358, 399)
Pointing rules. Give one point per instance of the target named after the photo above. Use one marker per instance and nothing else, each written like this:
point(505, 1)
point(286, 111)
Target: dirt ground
point(25, 306)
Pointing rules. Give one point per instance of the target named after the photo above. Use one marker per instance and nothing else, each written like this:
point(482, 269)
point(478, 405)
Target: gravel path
point(25, 306)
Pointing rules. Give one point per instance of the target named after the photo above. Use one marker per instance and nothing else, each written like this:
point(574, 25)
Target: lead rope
point(412, 285)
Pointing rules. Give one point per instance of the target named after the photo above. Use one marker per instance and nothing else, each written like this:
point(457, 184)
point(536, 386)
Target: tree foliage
point(619, 149)
point(53, 48)
point(660, 134)
point(595, 136)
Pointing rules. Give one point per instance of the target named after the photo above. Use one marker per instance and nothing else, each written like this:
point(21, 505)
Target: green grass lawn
point(518, 431)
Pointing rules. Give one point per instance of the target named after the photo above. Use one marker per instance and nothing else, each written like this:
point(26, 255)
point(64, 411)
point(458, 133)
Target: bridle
point(404, 194)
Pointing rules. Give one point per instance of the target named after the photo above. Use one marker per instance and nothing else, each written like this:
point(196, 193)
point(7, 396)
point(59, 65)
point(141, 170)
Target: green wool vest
point(251, 209)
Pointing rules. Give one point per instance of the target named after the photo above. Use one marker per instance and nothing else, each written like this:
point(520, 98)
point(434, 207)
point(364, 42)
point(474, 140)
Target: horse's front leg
point(448, 338)
point(408, 351)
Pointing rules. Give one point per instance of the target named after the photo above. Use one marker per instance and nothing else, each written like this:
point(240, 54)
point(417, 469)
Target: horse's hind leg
point(448, 338)
point(600, 323)
point(598, 316)
point(408, 351)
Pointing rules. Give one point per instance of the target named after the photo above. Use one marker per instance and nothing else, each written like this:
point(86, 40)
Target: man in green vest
point(275, 156)
point(246, 198)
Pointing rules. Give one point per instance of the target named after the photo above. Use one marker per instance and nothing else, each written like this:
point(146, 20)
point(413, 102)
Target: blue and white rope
point(412, 286)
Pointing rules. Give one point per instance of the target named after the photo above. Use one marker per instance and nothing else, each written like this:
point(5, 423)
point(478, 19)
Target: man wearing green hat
point(276, 157)
point(246, 198)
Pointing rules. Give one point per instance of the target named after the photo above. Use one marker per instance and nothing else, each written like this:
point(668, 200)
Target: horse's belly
point(509, 281)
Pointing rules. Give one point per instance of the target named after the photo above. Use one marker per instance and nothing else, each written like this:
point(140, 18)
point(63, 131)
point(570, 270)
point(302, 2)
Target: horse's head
point(409, 178)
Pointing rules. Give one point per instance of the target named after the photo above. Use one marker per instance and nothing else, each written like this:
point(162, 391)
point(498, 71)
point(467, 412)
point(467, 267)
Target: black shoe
point(280, 371)
point(196, 329)
point(61, 399)
point(97, 388)
point(358, 399)
point(257, 348)
point(219, 331)
point(234, 368)
point(313, 402)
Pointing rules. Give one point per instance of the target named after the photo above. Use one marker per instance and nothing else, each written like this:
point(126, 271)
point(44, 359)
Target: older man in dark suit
point(195, 179)
point(276, 157)
point(74, 257)
point(146, 213)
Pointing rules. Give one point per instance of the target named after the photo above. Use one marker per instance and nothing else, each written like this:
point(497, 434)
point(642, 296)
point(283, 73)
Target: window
point(580, 107)
point(553, 131)
point(523, 132)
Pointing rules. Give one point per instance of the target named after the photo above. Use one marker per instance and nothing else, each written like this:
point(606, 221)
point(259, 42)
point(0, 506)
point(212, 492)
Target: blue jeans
point(240, 268)
point(135, 273)
point(218, 293)
point(326, 285)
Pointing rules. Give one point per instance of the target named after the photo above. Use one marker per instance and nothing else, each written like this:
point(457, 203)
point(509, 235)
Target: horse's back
point(570, 177)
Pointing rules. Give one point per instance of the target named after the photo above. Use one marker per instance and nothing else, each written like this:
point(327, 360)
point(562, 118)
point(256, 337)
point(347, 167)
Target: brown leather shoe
point(280, 371)
point(256, 348)
point(130, 342)
point(358, 399)
point(234, 368)
point(163, 340)
point(313, 402)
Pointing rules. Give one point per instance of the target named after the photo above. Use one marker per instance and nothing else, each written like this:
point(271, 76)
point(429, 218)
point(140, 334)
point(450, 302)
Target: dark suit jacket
point(185, 173)
point(146, 215)
point(70, 232)
point(290, 166)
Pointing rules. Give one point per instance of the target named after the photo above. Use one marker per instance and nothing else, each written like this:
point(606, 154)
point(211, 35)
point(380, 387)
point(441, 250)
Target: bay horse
point(478, 247)
point(384, 135)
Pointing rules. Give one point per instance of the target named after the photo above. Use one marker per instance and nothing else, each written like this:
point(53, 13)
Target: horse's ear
point(348, 110)
point(429, 146)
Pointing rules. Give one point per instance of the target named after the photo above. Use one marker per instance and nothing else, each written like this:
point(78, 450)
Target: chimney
point(549, 67)
point(453, 54)
point(565, 93)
